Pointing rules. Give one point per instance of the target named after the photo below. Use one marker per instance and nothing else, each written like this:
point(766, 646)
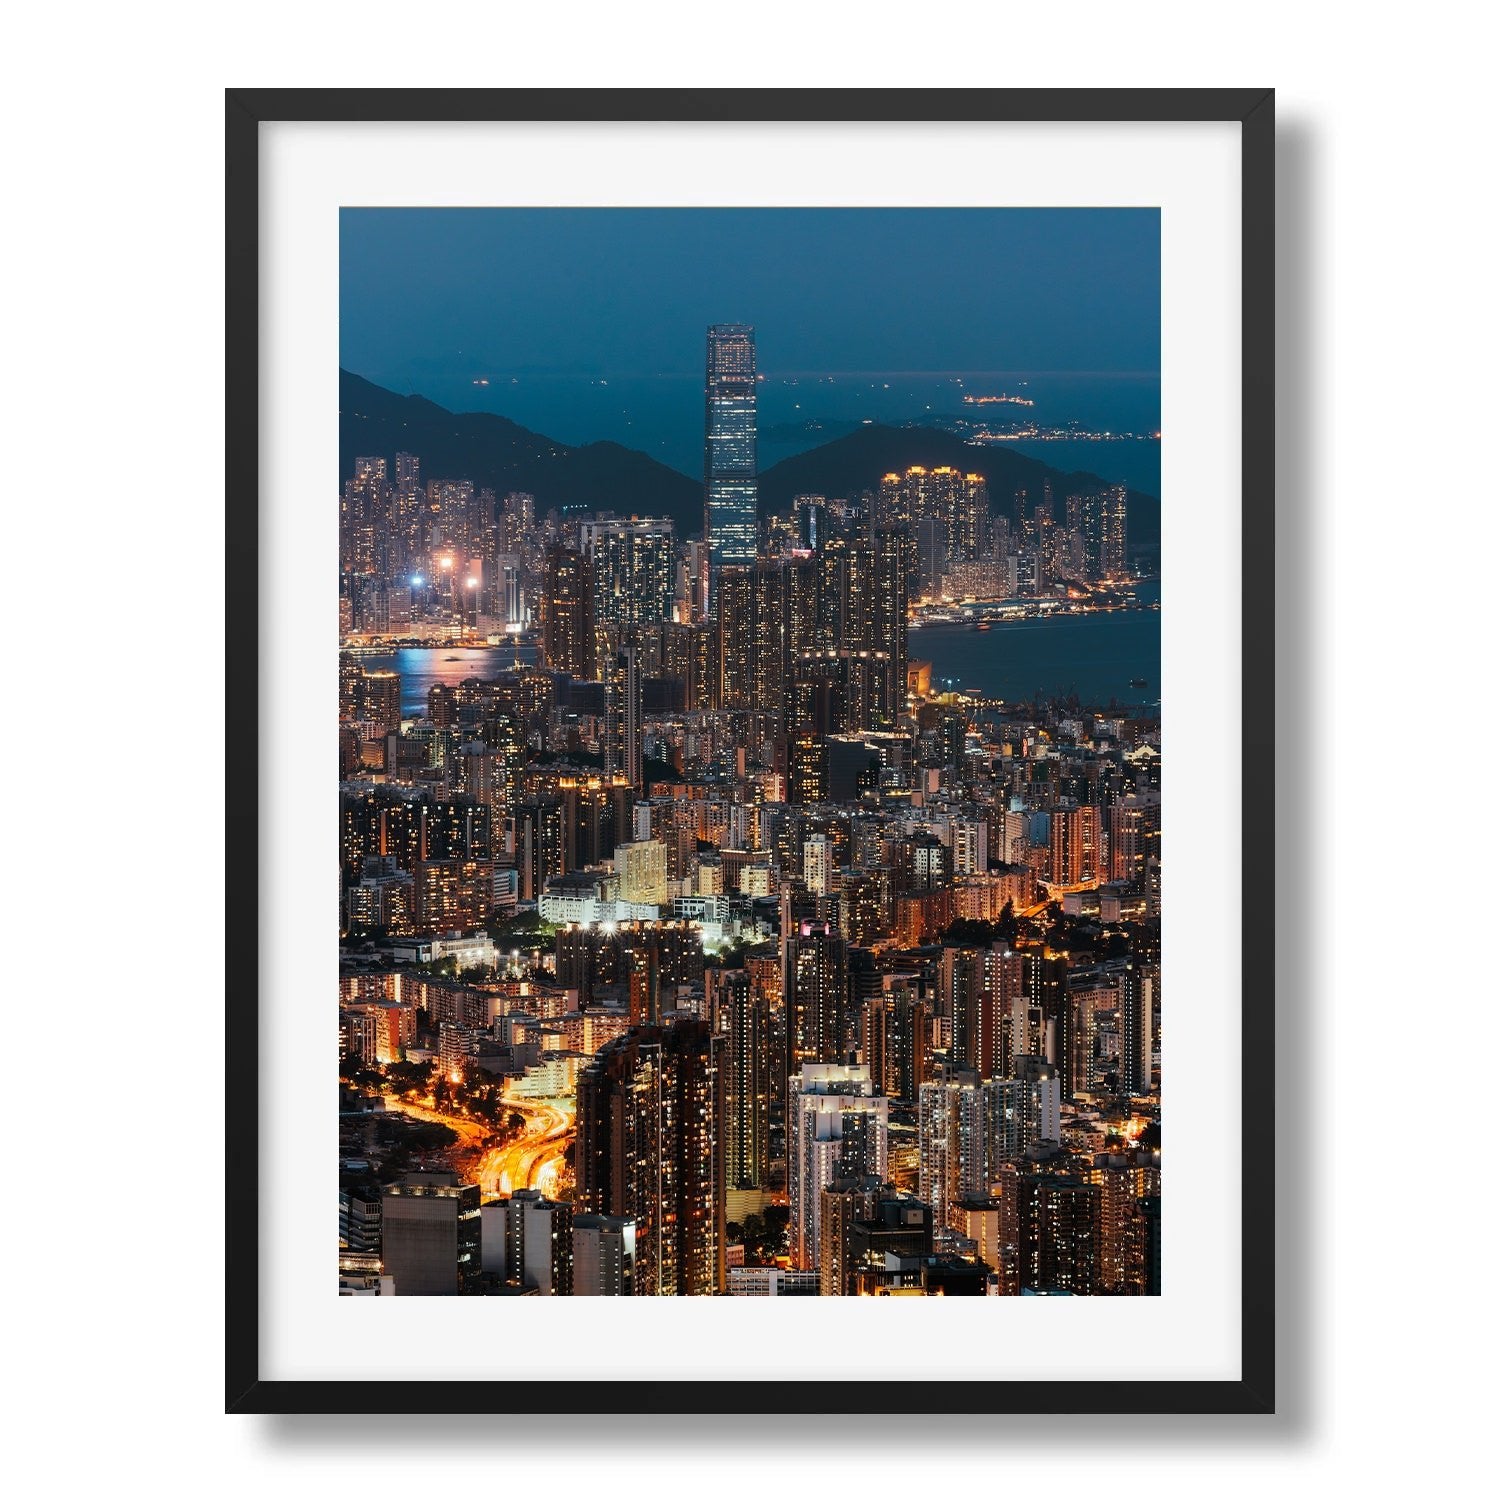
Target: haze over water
point(663, 414)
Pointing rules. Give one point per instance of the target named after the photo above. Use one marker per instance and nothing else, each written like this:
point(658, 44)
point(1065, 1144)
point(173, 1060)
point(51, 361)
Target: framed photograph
point(777, 572)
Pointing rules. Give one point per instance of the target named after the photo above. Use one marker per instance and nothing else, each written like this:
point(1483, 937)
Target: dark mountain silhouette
point(502, 455)
point(854, 463)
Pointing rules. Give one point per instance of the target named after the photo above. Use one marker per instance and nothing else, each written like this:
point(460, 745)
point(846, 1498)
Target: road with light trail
point(532, 1159)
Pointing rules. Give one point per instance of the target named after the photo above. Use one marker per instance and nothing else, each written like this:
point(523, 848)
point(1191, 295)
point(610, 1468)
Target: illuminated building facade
point(837, 1128)
point(742, 1013)
point(729, 449)
point(652, 1136)
point(815, 984)
point(957, 501)
point(642, 867)
point(568, 643)
point(635, 570)
point(1076, 851)
point(1060, 1234)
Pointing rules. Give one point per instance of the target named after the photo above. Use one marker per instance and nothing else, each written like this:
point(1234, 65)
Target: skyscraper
point(838, 1128)
point(815, 983)
point(742, 1014)
point(635, 569)
point(568, 613)
point(651, 1148)
point(729, 493)
point(622, 714)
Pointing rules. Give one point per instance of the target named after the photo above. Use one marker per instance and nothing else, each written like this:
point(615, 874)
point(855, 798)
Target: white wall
point(1387, 328)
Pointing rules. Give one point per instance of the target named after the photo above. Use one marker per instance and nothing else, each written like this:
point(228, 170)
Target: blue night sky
point(550, 304)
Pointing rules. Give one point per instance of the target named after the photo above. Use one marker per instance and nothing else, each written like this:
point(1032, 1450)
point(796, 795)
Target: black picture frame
point(245, 111)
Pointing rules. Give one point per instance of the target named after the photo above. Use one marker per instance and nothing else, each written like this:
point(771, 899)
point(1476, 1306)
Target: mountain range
point(500, 454)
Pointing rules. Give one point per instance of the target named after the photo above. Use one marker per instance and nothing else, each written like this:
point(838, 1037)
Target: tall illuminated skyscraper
point(651, 1149)
point(729, 493)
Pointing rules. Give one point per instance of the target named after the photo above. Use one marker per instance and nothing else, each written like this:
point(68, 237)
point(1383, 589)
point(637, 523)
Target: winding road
point(533, 1159)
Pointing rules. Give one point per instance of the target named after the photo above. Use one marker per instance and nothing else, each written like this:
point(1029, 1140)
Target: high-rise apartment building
point(1099, 522)
point(528, 1242)
point(894, 551)
point(959, 502)
point(837, 1127)
point(729, 450)
point(568, 643)
point(623, 750)
point(968, 1129)
point(741, 1011)
point(1134, 837)
point(380, 700)
point(734, 636)
point(818, 863)
point(1061, 1238)
point(642, 868)
point(635, 570)
point(1076, 855)
point(896, 1042)
point(652, 1133)
point(815, 984)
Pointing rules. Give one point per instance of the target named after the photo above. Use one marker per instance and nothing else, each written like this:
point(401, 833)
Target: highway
point(533, 1159)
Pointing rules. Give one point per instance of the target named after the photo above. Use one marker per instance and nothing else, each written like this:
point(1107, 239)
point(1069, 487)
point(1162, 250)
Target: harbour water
point(423, 666)
point(1096, 656)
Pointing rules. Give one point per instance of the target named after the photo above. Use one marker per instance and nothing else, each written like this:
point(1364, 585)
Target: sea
point(1095, 656)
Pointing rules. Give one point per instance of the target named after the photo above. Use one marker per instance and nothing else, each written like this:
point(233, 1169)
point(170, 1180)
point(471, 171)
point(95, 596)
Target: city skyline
point(702, 931)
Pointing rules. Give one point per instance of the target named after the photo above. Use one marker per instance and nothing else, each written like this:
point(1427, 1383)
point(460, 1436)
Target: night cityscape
point(750, 883)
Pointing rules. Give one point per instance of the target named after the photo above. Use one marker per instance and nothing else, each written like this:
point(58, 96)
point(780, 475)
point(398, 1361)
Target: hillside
point(854, 463)
point(498, 453)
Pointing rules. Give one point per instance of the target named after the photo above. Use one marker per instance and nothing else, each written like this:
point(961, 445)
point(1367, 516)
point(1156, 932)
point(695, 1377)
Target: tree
point(1006, 926)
